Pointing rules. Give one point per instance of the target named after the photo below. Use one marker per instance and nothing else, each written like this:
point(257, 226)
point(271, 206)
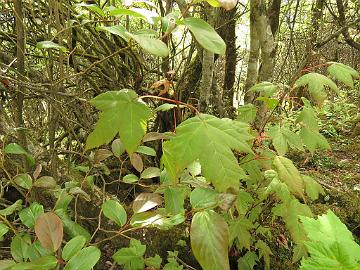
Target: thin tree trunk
point(20, 54)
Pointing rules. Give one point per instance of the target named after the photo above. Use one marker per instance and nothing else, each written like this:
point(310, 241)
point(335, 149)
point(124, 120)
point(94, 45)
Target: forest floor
point(338, 171)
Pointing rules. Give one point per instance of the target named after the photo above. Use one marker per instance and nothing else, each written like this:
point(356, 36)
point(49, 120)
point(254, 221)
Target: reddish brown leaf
point(49, 230)
point(137, 162)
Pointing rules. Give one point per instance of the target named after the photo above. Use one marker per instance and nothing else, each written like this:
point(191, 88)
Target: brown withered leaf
point(137, 162)
point(49, 231)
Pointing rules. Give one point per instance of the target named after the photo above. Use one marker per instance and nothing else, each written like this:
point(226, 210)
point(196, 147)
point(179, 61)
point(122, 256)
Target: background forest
point(175, 134)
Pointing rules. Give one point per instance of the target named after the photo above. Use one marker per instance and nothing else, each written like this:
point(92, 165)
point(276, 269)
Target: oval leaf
point(72, 247)
point(209, 237)
point(137, 162)
point(130, 178)
point(29, 215)
point(45, 182)
point(150, 172)
point(23, 180)
point(85, 259)
point(114, 211)
point(117, 148)
point(146, 201)
point(206, 35)
point(152, 45)
point(49, 230)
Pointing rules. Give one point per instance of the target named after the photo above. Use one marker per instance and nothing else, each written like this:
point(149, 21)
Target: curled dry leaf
point(161, 86)
point(137, 162)
point(146, 201)
point(37, 171)
point(153, 136)
point(49, 230)
point(102, 154)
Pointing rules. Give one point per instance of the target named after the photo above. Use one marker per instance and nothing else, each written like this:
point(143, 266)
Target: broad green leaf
point(45, 182)
point(142, 149)
point(282, 137)
point(266, 89)
point(29, 215)
point(312, 188)
point(85, 259)
point(174, 200)
point(290, 212)
point(72, 247)
point(130, 178)
point(343, 73)
point(117, 147)
point(43, 263)
point(243, 202)
point(211, 141)
point(270, 103)
point(3, 230)
point(19, 247)
point(116, 30)
point(151, 45)
point(205, 35)
point(246, 113)
point(289, 175)
point(23, 180)
point(124, 11)
point(203, 198)
point(328, 257)
point(121, 113)
point(14, 148)
point(154, 262)
point(49, 230)
point(48, 44)
point(71, 228)
point(308, 116)
point(264, 252)
point(316, 83)
point(248, 261)
point(329, 230)
point(239, 229)
point(12, 208)
point(114, 211)
point(132, 257)
point(166, 107)
point(146, 201)
point(150, 172)
point(209, 235)
point(313, 139)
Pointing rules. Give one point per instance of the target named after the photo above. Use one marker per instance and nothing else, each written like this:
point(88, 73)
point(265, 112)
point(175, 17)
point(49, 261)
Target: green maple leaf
point(343, 73)
point(282, 137)
point(316, 83)
point(211, 140)
point(331, 245)
point(121, 113)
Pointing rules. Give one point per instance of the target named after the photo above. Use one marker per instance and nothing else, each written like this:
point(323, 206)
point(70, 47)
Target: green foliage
point(115, 212)
point(209, 236)
point(343, 73)
point(330, 244)
point(121, 113)
point(205, 35)
point(316, 83)
point(132, 257)
point(210, 140)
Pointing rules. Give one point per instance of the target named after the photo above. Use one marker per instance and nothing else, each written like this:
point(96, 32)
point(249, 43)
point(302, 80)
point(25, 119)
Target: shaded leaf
point(117, 147)
point(153, 136)
point(136, 162)
point(19, 247)
point(72, 228)
point(130, 178)
point(312, 188)
point(246, 113)
point(23, 180)
point(12, 208)
point(48, 44)
point(151, 45)
point(101, 154)
point(343, 73)
point(142, 149)
point(132, 257)
point(150, 172)
point(203, 198)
